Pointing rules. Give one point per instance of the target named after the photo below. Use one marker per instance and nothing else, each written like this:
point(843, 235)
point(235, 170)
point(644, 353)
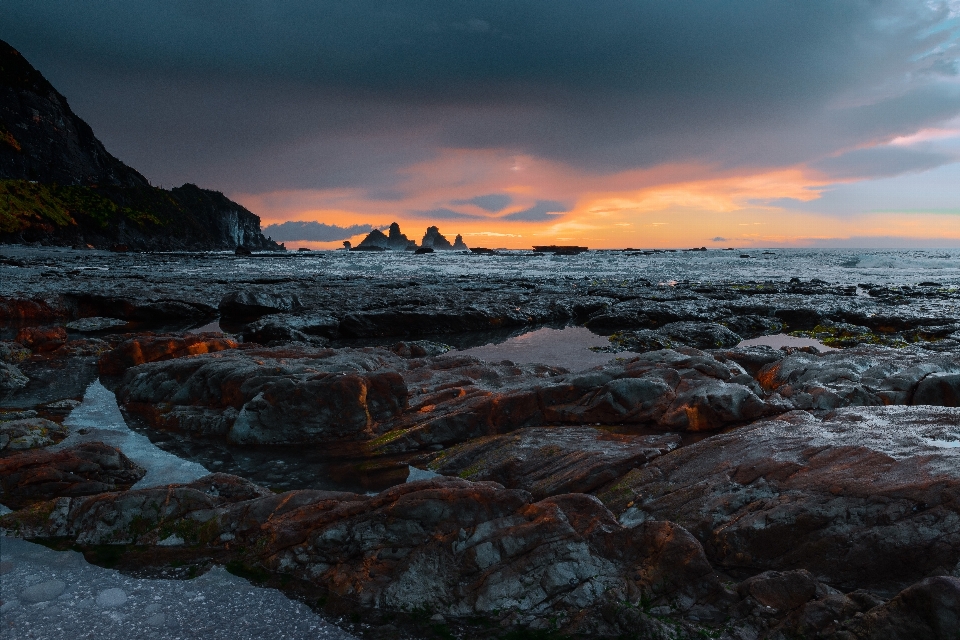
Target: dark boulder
point(275, 396)
point(928, 610)
point(42, 339)
point(155, 348)
point(251, 304)
point(85, 469)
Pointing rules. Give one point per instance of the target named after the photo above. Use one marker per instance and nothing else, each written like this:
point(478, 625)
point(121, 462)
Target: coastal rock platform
point(692, 486)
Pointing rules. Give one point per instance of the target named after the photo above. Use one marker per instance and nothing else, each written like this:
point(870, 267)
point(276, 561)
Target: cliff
point(59, 185)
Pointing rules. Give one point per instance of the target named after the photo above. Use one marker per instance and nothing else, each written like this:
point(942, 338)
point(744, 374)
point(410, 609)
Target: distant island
point(395, 240)
point(60, 186)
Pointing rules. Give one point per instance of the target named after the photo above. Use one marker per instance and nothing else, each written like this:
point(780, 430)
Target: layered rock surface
point(552, 461)
point(86, 469)
point(864, 497)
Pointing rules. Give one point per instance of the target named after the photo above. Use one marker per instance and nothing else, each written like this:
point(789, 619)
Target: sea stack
point(435, 240)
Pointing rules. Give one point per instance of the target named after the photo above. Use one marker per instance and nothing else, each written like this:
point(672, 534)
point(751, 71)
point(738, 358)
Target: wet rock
point(939, 388)
point(251, 303)
point(459, 548)
point(863, 376)
point(753, 326)
point(111, 598)
point(271, 396)
point(29, 433)
point(420, 349)
point(90, 325)
point(928, 610)
point(40, 339)
point(43, 591)
point(665, 389)
point(709, 406)
point(135, 305)
point(321, 408)
point(639, 341)
point(551, 461)
point(11, 379)
point(154, 348)
point(13, 352)
point(863, 498)
point(783, 591)
point(20, 311)
point(85, 469)
point(55, 375)
point(753, 358)
point(418, 322)
point(281, 328)
point(699, 335)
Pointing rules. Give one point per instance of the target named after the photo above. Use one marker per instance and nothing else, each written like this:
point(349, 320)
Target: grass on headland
point(25, 205)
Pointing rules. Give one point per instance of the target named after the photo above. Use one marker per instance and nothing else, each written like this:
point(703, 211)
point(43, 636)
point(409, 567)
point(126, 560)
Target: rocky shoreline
point(695, 488)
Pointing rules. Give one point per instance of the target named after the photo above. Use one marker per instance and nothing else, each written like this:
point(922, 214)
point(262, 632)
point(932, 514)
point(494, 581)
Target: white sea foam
point(99, 417)
point(836, 266)
point(57, 594)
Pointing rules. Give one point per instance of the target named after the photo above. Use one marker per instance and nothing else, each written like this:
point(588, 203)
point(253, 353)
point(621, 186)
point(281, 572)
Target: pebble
point(43, 591)
point(112, 597)
point(156, 620)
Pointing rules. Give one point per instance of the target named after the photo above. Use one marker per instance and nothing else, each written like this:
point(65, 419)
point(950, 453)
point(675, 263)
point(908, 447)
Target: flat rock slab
point(867, 496)
point(549, 461)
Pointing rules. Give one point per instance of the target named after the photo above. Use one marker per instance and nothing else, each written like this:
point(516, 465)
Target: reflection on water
point(98, 419)
point(945, 444)
point(780, 340)
point(568, 347)
point(210, 327)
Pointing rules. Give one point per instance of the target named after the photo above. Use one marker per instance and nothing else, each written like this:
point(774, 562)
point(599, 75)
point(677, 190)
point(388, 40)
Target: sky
point(611, 123)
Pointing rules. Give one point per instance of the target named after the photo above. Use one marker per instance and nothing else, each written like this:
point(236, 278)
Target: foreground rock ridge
point(60, 186)
point(689, 488)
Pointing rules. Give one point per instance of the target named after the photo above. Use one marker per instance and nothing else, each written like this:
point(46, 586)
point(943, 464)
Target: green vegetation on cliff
point(141, 216)
point(26, 205)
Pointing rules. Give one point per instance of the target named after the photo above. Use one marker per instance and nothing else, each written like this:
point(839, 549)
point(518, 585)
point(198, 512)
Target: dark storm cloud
point(542, 211)
point(492, 202)
point(313, 231)
point(880, 162)
point(261, 95)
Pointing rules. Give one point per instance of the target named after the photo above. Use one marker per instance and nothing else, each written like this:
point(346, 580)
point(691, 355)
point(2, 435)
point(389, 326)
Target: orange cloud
point(678, 205)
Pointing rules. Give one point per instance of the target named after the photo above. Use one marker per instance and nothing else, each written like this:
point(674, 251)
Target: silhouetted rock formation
point(396, 241)
point(376, 239)
point(435, 240)
point(459, 244)
point(399, 242)
point(61, 186)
